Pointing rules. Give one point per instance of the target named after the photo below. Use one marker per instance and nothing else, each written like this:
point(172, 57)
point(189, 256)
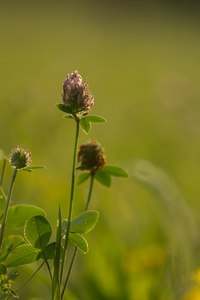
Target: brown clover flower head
point(91, 156)
point(20, 158)
point(76, 94)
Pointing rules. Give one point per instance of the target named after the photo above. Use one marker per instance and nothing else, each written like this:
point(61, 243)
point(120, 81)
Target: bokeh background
point(142, 63)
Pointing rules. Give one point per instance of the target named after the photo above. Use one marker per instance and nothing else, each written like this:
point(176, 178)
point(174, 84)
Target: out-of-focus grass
point(143, 68)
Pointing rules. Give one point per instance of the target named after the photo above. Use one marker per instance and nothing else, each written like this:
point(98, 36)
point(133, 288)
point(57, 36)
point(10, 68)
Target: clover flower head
point(91, 156)
point(20, 158)
point(76, 94)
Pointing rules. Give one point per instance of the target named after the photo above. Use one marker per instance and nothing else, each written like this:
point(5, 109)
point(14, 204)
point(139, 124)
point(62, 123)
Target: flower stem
point(7, 205)
point(76, 248)
point(90, 191)
point(3, 172)
point(71, 197)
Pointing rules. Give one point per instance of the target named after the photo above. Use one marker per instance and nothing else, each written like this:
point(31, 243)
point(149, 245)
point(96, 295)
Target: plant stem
point(76, 248)
point(69, 271)
point(90, 191)
point(3, 172)
point(7, 205)
point(55, 278)
point(48, 266)
point(71, 197)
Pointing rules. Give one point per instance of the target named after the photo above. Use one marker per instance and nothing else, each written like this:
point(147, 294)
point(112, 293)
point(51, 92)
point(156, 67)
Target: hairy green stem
point(7, 205)
point(71, 197)
point(76, 248)
point(3, 172)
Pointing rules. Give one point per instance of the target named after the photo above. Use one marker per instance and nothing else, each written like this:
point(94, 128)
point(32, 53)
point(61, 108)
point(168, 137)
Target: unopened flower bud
point(91, 157)
point(20, 158)
point(76, 94)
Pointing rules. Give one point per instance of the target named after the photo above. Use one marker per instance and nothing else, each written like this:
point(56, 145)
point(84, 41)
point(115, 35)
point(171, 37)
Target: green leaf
point(3, 269)
point(37, 231)
point(79, 241)
point(23, 254)
point(85, 125)
point(30, 169)
point(83, 177)
point(85, 122)
point(19, 214)
point(2, 201)
point(85, 222)
point(9, 244)
point(103, 177)
point(115, 171)
point(49, 251)
point(95, 119)
point(68, 116)
point(63, 107)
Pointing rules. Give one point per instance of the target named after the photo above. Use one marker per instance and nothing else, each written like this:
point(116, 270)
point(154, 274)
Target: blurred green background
point(142, 63)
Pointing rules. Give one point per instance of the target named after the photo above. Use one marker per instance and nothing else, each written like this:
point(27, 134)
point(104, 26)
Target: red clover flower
point(91, 157)
point(76, 94)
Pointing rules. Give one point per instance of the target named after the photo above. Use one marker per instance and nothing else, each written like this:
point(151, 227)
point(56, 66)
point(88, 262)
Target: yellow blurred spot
point(149, 258)
point(192, 294)
point(196, 276)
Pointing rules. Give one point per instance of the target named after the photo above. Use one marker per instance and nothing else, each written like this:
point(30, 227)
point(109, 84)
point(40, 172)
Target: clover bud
point(91, 157)
point(76, 94)
point(20, 158)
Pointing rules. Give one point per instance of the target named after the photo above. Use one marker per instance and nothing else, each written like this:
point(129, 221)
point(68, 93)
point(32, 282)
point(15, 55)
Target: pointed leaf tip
point(115, 171)
point(95, 119)
point(32, 168)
